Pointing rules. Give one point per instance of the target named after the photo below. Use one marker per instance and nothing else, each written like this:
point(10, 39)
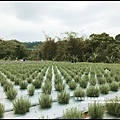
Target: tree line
point(97, 48)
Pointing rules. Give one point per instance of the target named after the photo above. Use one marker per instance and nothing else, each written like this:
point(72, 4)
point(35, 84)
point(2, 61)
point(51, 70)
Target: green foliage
point(37, 83)
point(83, 82)
point(76, 78)
point(11, 93)
point(23, 84)
point(47, 88)
point(114, 86)
point(31, 90)
point(59, 86)
point(73, 113)
point(72, 85)
point(104, 88)
point(97, 48)
point(45, 101)
point(29, 80)
point(96, 110)
point(93, 91)
point(21, 105)
point(92, 80)
point(113, 106)
point(3, 81)
point(109, 79)
point(117, 78)
point(68, 78)
point(63, 97)
point(119, 84)
point(79, 92)
point(2, 110)
point(16, 81)
point(101, 80)
point(7, 85)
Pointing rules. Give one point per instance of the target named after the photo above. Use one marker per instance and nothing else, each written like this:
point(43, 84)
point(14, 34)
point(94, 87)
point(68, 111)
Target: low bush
point(37, 83)
point(76, 78)
point(79, 92)
point(29, 80)
point(113, 106)
point(72, 85)
point(96, 110)
point(63, 97)
point(21, 105)
point(68, 78)
point(104, 88)
point(83, 82)
point(59, 86)
point(16, 81)
point(2, 110)
point(31, 90)
point(109, 79)
point(7, 85)
point(117, 78)
point(11, 93)
point(93, 91)
point(114, 86)
point(47, 88)
point(23, 84)
point(73, 113)
point(45, 101)
point(101, 80)
point(92, 80)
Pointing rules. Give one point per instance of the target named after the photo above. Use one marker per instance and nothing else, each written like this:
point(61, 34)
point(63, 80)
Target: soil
point(85, 115)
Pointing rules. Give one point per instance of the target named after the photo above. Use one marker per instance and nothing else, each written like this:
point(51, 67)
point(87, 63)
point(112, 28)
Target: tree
point(48, 49)
point(117, 37)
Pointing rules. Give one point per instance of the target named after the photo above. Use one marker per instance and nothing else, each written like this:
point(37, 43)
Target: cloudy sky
point(28, 21)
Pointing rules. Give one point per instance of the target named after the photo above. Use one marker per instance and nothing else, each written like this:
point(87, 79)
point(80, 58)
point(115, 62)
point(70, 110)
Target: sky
point(29, 21)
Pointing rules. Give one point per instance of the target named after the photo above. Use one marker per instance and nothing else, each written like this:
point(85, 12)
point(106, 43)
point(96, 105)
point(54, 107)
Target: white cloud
point(26, 21)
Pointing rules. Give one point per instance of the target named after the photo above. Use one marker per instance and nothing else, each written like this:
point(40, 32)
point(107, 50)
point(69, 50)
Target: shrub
point(3, 81)
point(63, 97)
point(31, 90)
point(92, 81)
point(37, 83)
point(59, 86)
point(21, 105)
point(72, 113)
point(113, 106)
point(76, 78)
point(109, 79)
point(119, 84)
point(117, 78)
point(47, 88)
point(29, 80)
point(16, 81)
point(2, 110)
point(23, 84)
point(114, 86)
point(45, 101)
point(79, 92)
point(93, 91)
point(83, 83)
point(99, 75)
point(57, 79)
point(101, 80)
point(68, 78)
point(104, 89)
point(96, 110)
point(7, 85)
point(11, 93)
point(72, 85)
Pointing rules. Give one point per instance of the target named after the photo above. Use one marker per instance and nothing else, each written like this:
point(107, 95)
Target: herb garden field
point(47, 89)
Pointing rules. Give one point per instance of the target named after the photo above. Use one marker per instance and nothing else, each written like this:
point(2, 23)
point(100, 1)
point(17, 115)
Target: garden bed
point(51, 72)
